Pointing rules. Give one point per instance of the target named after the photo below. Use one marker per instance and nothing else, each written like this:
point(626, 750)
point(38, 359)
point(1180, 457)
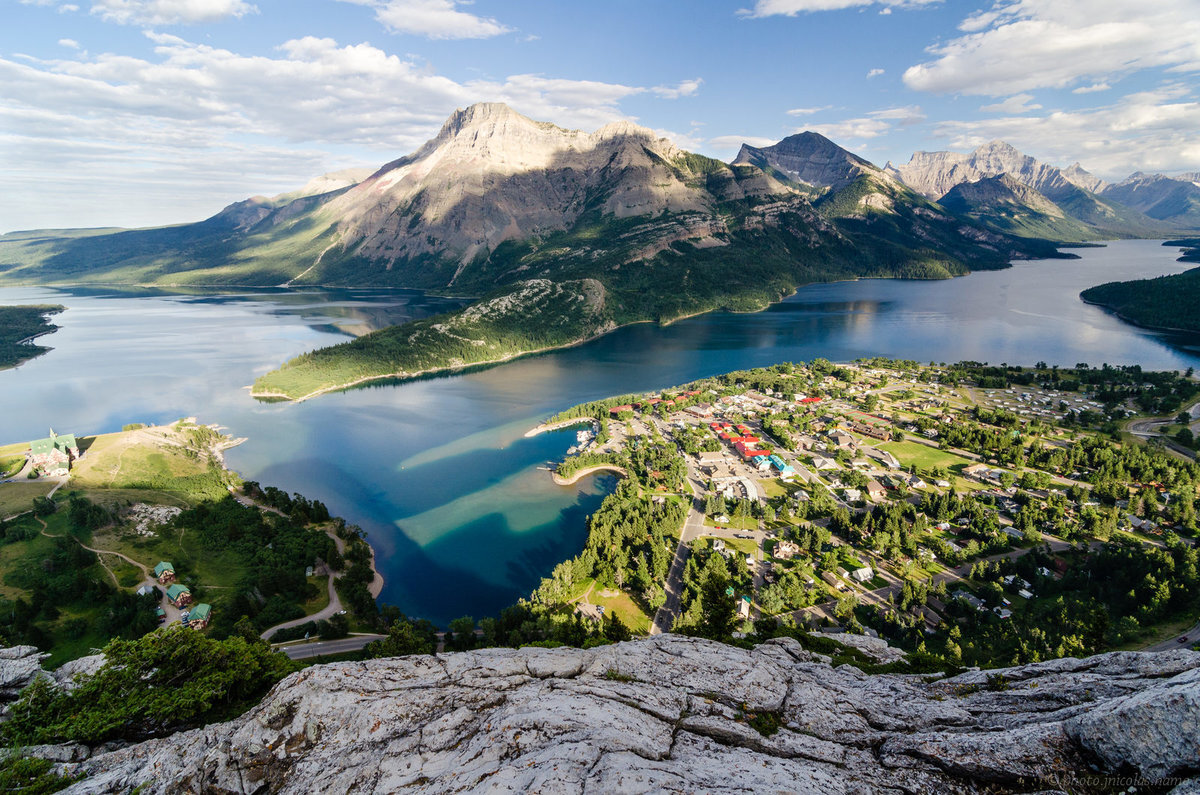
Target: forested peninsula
point(19, 326)
point(1169, 303)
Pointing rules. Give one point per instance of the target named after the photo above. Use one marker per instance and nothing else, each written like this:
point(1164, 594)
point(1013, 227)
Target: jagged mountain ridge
point(933, 174)
point(1171, 199)
point(1073, 190)
point(677, 714)
point(497, 198)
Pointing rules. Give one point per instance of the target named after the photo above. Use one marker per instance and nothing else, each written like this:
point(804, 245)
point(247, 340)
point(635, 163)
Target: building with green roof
point(179, 595)
point(164, 572)
point(198, 616)
point(53, 455)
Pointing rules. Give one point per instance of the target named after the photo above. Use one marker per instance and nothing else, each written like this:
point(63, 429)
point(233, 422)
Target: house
point(145, 590)
point(862, 575)
point(710, 457)
point(841, 439)
point(852, 495)
point(718, 545)
point(164, 572)
point(53, 455)
point(1013, 533)
point(977, 471)
point(969, 598)
point(786, 550)
point(915, 482)
point(1025, 593)
point(1003, 612)
point(744, 608)
point(821, 463)
point(833, 581)
point(179, 595)
point(875, 490)
point(197, 617)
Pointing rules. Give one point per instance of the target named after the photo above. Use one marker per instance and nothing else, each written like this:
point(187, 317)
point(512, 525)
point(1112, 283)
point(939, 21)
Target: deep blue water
point(438, 470)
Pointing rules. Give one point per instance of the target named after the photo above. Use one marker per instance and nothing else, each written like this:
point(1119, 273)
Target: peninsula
point(19, 327)
point(111, 536)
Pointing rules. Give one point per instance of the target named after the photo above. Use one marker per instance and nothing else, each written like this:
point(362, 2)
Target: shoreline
point(561, 481)
point(558, 426)
point(1124, 319)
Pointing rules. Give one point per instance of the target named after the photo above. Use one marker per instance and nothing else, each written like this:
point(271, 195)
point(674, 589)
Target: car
point(1184, 639)
point(742, 535)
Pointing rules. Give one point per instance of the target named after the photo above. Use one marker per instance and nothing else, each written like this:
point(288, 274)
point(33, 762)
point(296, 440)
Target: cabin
point(197, 617)
point(862, 575)
point(53, 455)
point(164, 572)
point(179, 595)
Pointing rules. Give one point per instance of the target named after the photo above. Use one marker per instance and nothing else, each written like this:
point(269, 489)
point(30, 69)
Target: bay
point(438, 471)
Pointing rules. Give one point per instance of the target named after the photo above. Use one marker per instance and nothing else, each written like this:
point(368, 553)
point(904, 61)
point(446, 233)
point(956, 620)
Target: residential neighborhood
point(869, 496)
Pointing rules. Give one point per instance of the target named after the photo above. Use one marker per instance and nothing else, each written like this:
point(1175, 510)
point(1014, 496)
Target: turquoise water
point(438, 470)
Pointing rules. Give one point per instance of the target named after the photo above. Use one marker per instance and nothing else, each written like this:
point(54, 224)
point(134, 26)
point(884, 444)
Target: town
point(938, 506)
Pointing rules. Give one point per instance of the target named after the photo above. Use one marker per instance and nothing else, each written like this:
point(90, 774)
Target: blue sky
point(139, 112)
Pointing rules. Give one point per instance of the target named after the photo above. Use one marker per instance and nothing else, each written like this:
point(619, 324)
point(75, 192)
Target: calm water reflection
point(438, 470)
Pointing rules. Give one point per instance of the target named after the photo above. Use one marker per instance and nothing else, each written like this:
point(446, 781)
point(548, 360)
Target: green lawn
point(11, 465)
point(734, 523)
point(924, 457)
point(18, 497)
point(321, 600)
point(625, 608)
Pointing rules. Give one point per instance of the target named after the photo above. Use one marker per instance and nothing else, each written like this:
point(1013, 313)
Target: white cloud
point(1092, 89)
point(1020, 45)
point(872, 125)
point(734, 142)
point(169, 12)
point(874, 73)
point(1147, 131)
point(434, 19)
point(790, 8)
point(807, 111)
point(1019, 103)
point(686, 88)
point(68, 43)
point(177, 135)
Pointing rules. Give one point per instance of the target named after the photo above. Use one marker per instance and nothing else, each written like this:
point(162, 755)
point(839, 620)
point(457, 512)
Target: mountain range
point(1140, 206)
point(564, 234)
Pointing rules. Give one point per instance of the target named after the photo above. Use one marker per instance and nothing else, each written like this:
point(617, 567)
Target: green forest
point(1167, 302)
point(19, 323)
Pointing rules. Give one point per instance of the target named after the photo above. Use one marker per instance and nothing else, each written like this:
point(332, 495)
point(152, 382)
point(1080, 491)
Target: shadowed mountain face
point(1175, 200)
point(810, 159)
point(1003, 203)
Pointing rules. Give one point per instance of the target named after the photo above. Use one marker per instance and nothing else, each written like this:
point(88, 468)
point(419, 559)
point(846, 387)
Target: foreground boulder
point(681, 714)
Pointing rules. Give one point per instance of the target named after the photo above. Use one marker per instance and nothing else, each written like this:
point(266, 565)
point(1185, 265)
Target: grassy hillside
point(1168, 302)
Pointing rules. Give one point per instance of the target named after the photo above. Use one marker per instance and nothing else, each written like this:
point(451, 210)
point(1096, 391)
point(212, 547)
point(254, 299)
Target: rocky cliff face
point(674, 714)
point(810, 159)
point(932, 174)
point(492, 175)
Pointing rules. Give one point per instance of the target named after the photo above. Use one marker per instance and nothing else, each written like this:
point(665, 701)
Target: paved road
point(1192, 636)
point(692, 528)
point(302, 651)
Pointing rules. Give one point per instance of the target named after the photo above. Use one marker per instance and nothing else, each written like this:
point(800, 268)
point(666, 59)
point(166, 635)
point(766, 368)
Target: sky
point(145, 112)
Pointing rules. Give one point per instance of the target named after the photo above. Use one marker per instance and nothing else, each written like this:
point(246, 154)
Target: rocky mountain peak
point(809, 158)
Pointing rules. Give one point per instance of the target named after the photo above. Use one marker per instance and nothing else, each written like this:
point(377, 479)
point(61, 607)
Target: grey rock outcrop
point(675, 714)
point(19, 665)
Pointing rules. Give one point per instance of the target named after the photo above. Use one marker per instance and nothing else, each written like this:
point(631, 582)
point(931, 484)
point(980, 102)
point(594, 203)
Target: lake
point(438, 470)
